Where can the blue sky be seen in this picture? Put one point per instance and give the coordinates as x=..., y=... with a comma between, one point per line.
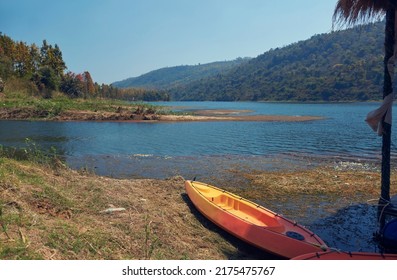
x=117, y=39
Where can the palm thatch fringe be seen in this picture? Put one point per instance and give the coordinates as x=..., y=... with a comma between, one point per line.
x=351, y=12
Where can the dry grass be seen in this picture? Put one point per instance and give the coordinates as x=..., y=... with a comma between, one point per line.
x=56, y=213
x=350, y=184
x=323, y=180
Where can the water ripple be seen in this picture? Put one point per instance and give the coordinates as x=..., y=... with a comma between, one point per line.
x=342, y=133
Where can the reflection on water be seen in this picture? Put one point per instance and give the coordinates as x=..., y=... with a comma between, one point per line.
x=350, y=229
x=206, y=149
x=221, y=152
x=342, y=133
x=216, y=169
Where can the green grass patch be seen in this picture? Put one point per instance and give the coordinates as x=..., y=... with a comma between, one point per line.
x=70, y=242
x=32, y=152
x=65, y=238
x=49, y=108
x=53, y=199
x=17, y=251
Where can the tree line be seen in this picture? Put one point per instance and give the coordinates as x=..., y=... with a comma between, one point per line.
x=41, y=70
x=345, y=65
x=172, y=77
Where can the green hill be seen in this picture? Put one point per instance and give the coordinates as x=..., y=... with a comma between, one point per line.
x=339, y=66
x=171, y=77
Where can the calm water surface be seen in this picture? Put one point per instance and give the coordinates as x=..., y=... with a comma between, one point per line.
x=220, y=152
x=188, y=148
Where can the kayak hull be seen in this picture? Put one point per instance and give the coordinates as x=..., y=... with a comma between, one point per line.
x=253, y=223
x=338, y=255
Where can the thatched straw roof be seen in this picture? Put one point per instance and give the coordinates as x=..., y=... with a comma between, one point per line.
x=356, y=11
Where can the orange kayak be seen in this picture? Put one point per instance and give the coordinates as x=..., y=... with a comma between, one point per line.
x=253, y=223
x=338, y=255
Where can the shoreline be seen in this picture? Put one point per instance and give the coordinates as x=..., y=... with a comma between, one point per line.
x=60, y=213
x=126, y=116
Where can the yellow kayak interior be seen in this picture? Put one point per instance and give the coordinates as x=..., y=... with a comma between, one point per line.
x=240, y=207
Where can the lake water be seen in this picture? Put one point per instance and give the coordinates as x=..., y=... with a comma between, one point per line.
x=220, y=152
x=205, y=149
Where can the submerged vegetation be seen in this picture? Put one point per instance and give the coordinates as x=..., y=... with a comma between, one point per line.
x=33, y=153
x=48, y=211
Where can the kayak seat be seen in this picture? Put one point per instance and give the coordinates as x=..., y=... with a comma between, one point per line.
x=248, y=211
x=225, y=202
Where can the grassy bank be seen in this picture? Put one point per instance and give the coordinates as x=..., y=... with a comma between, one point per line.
x=19, y=105
x=48, y=211
x=57, y=213
x=22, y=106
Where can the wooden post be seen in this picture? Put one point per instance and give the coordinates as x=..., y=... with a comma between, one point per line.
x=387, y=89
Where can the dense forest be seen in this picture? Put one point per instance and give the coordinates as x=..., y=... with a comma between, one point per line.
x=171, y=77
x=339, y=66
x=345, y=65
x=42, y=71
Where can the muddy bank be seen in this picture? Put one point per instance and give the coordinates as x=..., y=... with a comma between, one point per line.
x=73, y=115
x=126, y=115
x=258, y=118
x=351, y=228
x=58, y=213
x=336, y=201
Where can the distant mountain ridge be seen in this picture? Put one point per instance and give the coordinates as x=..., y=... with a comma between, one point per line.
x=345, y=65
x=339, y=66
x=171, y=77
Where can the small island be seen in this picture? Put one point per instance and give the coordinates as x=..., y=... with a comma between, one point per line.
x=62, y=108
